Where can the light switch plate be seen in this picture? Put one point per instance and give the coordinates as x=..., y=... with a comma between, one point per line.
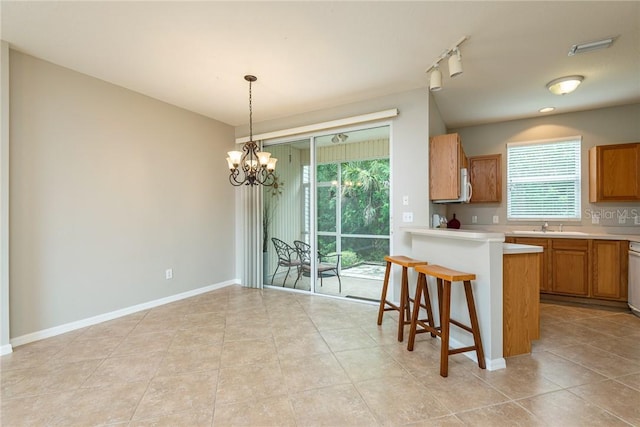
x=496, y=219
x=474, y=219
x=595, y=219
x=636, y=220
x=405, y=200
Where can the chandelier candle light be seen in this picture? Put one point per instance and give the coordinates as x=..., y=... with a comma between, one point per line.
x=257, y=166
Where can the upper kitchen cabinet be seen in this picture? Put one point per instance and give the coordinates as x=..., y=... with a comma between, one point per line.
x=446, y=158
x=486, y=178
x=614, y=173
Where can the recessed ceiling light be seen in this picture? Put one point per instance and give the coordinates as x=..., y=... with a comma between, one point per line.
x=589, y=46
x=546, y=109
x=564, y=85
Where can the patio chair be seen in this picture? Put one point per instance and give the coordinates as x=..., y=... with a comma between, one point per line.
x=287, y=257
x=325, y=269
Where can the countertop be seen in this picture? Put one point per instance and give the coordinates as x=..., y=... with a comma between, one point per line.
x=451, y=233
x=498, y=235
x=571, y=235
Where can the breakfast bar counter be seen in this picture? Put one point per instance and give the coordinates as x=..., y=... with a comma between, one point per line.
x=480, y=253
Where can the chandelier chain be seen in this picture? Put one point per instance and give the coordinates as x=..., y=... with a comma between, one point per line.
x=250, y=114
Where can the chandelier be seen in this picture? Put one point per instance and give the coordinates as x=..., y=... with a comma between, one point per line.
x=250, y=166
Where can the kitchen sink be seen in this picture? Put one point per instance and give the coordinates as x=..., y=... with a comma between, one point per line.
x=550, y=233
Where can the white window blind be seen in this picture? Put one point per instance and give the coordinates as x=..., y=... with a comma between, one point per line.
x=543, y=179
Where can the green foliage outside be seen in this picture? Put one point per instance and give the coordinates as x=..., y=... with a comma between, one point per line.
x=364, y=195
x=349, y=259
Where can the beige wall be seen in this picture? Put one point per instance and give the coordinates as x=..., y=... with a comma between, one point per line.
x=108, y=188
x=597, y=127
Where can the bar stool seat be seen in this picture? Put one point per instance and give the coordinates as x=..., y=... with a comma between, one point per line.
x=445, y=276
x=403, y=308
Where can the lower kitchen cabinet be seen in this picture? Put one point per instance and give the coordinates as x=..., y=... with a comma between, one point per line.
x=545, y=283
x=583, y=268
x=610, y=269
x=570, y=267
x=520, y=302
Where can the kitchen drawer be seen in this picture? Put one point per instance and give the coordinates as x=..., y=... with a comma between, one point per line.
x=570, y=244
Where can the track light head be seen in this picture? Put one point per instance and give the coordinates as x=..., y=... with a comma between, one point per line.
x=455, y=63
x=435, y=82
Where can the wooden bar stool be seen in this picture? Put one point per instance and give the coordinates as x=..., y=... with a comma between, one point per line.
x=445, y=277
x=404, y=307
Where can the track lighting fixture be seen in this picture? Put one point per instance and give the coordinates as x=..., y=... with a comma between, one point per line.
x=455, y=65
x=435, y=81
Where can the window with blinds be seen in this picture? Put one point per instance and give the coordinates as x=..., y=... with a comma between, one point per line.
x=543, y=179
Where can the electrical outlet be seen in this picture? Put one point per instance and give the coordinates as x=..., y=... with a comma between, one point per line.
x=407, y=216
x=636, y=220
x=595, y=219
x=474, y=219
x=496, y=219
x=622, y=219
x=168, y=274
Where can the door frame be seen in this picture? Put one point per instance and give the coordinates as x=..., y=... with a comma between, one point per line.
x=312, y=136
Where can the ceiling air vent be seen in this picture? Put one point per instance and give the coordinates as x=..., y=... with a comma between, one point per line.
x=588, y=47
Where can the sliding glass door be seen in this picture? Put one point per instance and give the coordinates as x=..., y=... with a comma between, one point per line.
x=332, y=201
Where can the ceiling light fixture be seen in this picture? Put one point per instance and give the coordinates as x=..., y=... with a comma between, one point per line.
x=564, y=85
x=455, y=65
x=257, y=166
x=589, y=46
x=339, y=138
x=546, y=109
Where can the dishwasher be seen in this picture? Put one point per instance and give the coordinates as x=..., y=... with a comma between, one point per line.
x=634, y=277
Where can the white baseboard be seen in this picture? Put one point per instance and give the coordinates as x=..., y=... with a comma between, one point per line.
x=492, y=364
x=72, y=326
x=6, y=349
x=495, y=364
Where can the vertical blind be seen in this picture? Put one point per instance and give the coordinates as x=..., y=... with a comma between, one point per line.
x=544, y=179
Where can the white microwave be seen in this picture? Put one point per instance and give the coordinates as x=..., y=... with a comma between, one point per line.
x=465, y=189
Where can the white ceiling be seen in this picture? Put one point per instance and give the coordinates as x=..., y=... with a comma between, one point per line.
x=315, y=55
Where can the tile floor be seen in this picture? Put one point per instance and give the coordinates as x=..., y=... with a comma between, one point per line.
x=245, y=357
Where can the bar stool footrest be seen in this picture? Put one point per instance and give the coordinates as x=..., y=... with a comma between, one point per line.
x=462, y=349
x=461, y=325
x=392, y=307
